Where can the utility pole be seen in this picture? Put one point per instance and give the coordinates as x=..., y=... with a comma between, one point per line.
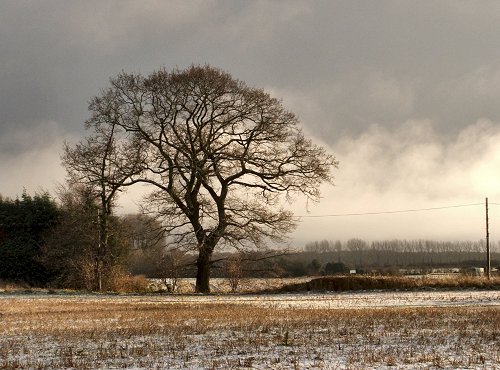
x=488, y=256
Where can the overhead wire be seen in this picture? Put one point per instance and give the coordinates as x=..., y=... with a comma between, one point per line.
x=392, y=212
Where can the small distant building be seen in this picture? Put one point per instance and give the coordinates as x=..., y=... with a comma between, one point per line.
x=352, y=272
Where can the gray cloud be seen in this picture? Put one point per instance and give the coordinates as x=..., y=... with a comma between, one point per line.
x=29, y=138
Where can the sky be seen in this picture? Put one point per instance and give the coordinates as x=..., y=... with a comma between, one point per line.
x=404, y=93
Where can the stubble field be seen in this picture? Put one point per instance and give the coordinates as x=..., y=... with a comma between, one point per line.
x=398, y=330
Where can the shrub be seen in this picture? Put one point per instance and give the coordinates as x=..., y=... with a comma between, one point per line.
x=123, y=282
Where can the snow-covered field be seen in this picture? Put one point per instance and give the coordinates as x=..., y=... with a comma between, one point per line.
x=365, y=330
x=345, y=300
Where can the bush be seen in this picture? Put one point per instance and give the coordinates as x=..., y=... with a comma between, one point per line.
x=123, y=282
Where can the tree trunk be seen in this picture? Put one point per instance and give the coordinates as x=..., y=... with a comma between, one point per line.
x=102, y=247
x=98, y=275
x=203, y=272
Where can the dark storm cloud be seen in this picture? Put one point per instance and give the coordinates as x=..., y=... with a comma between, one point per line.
x=359, y=62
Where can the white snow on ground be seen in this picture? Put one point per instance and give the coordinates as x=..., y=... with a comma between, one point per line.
x=450, y=342
x=373, y=300
x=344, y=300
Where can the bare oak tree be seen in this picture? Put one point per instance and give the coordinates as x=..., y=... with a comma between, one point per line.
x=222, y=156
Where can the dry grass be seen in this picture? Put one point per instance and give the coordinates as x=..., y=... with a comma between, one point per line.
x=88, y=333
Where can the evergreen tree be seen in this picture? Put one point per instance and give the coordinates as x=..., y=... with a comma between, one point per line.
x=23, y=224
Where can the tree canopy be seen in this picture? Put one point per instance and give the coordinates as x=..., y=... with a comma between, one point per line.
x=223, y=157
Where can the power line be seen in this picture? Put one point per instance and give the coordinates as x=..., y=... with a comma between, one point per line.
x=392, y=212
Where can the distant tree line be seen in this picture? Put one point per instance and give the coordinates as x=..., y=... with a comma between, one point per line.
x=388, y=254
x=355, y=244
